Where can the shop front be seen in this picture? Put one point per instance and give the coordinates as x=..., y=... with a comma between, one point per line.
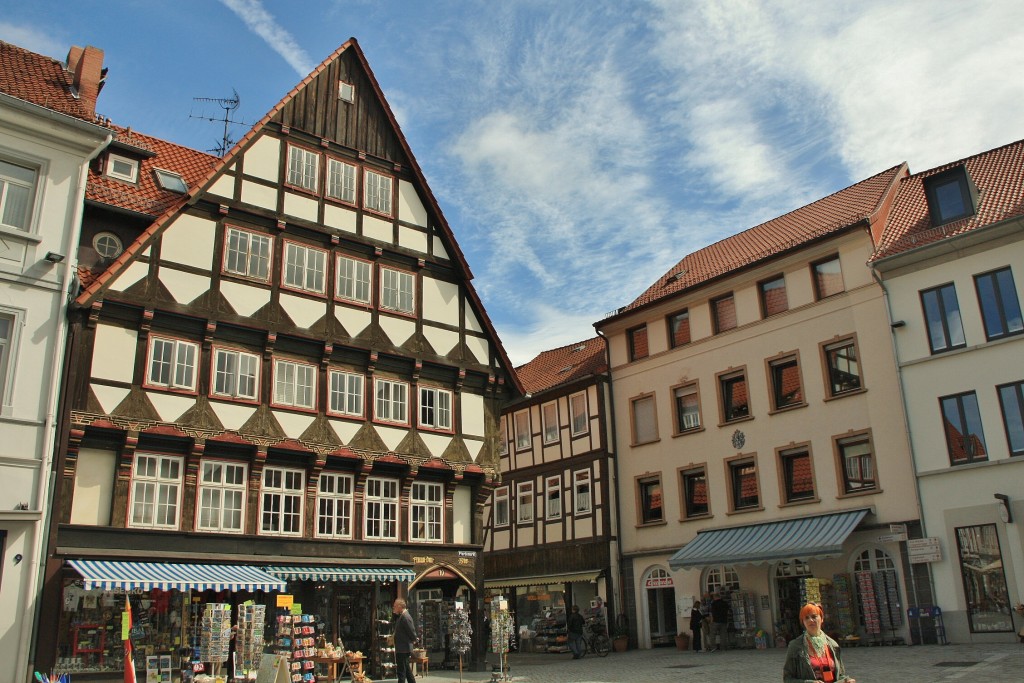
x=441, y=587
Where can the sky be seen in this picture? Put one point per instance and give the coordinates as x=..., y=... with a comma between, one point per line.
x=580, y=148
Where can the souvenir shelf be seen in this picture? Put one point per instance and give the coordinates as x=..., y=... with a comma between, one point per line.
x=215, y=633
x=384, y=666
x=249, y=638
x=845, y=619
x=431, y=635
x=89, y=643
x=868, y=603
x=296, y=639
x=744, y=617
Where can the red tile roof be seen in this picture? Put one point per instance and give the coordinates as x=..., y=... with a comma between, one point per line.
x=999, y=177
x=563, y=365
x=40, y=80
x=823, y=217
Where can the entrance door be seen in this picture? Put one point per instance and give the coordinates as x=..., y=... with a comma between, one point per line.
x=661, y=607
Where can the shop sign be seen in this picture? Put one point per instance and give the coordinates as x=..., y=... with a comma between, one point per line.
x=659, y=582
x=891, y=538
x=285, y=600
x=467, y=553
x=423, y=559
x=921, y=550
x=538, y=596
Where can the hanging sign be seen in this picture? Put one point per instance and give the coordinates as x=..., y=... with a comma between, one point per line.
x=285, y=600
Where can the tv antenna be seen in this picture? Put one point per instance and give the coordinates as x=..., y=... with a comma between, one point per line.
x=228, y=104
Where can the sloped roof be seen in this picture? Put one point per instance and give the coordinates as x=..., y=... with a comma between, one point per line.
x=38, y=79
x=563, y=365
x=826, y=216
x=999, y=177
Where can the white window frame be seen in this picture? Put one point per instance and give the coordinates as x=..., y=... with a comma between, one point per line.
x=346, y=92
x=8, y=347
x=303, y=168
x=234, y=376
x=335, y=504
x=165, y=488
x=435, y=408
x=377, y=190
x=553, y=497
x=287, y=486
x=7, y=181
x=397, y=290
x=220, y=481
x=526, y=502
x=294, y=384
x=304, y=268
x=582, y=503
x=252, y=254
x=501, y=506
x=132, y=176
x=180, y=368
x=353, y=280
x=341, y=181
x=579, y=416
x=426, y=512
x=549, y=422
x=521, y=426
x=345, y=393
x=107, y=245
x=391, y=401
x=380, y=509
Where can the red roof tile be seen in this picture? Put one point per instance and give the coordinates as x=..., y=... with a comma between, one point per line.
x=40, y=80
x=999, y=177
x=563, y=365
x=823, y=217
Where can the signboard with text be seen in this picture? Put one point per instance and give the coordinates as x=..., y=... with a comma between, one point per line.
x=921, y=550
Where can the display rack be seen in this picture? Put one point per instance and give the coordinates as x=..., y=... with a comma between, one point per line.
x=296, y=639
x=868, y=603
x=215, y=633
x=744, y=617
x=384, y=664
x=845, y=615
x=249, y=638
x=89, y=644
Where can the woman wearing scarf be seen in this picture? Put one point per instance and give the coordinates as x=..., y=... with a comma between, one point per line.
x=814, y=656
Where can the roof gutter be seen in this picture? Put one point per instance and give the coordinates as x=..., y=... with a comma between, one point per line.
x=42, y=112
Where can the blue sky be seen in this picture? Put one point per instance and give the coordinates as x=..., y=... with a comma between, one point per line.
x=579, y=148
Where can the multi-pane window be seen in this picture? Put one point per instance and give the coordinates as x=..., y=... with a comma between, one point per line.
x=435, y=408
x=982, y=567
x=7, y=323
x=687, y=407
x=377, y=193
x=334, y=502
x=723, y=313
x=773, y=296
x=644, y=421
x=743, y=482
x=501, y=506
x=345, y=392
x=637, y=339
x=694, y=484
x=578, y=413
x=582, y=499
x=797, y=476
x=549, y=422
x=521, y=422
x=425, y=507
x=951, y=195
x=172, y=363
x=721, y=579
x=381, y=509
x=294, y=384
x=341, y=181
x=122, y=168
x=17, y=190
x=857, y=463
x=247, y=254
x=222, y=487
x=235, y=373
x=1011, y=399
x=842, y=367
x=787, y=387
x=961, y=420
x=396, y=290
x=828, y=277
x=1000, y=307
x=735, y=398
x=156, y=491
x=502, y=436
x=353, y=280
x=553, y=497
x=303, y=167
x=679, y=329
x=649, y=500
x=281, y=502
x=392, y=401
x=304, y=267
x=524, y=502
x=942, y=315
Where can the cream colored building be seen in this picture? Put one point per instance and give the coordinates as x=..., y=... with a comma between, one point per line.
x=761, y=440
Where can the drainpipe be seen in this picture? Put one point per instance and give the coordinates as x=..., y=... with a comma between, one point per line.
x=614, y=488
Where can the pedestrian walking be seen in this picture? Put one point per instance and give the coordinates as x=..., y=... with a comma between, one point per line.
x=696, y=621
x=405, y=641
x=574, y=624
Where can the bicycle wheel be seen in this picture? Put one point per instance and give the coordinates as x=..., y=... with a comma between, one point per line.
x=602, y=645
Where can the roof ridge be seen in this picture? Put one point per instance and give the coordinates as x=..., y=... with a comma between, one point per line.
x=963, y=160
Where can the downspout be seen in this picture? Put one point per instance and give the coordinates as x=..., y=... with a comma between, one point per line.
x=46, y=482
x=614, y=488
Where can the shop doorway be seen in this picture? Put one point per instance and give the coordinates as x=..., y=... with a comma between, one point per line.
x=661, y=607
x=789, y=578
x=432, y=598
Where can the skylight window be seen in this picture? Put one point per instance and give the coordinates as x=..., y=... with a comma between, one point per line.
x=123, y=168
x=951, y=195
x=170, y=181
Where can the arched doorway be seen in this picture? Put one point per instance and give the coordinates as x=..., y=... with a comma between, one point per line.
x=788, y=578
x=878, y=594
x=432, y=596
x=661, y=607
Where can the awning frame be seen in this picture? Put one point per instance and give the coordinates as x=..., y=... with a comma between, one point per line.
x=114, y=575
x=543, y=580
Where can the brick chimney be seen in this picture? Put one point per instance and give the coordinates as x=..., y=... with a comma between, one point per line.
x=86, y=67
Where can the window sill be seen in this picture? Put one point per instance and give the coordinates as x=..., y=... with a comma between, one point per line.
x=695, y=430
x=743, y=511
x=789, y=408
x=852, y=392
x=20, y=235
x=647, y=525
x=696, y=518
x=643, y=443
x=797, y=503
x=858, y=494
x=737, y=420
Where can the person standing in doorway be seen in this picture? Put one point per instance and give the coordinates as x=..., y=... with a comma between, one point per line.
x=405, y=640
x=719, y=623
x=696, y=620
x=574, y=624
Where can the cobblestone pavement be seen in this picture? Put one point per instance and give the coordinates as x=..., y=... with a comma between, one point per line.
x=920, y=664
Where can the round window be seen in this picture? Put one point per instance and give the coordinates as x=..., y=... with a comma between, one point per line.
x=107, y=245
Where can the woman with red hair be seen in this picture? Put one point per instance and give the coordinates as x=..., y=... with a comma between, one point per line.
x=814, y=656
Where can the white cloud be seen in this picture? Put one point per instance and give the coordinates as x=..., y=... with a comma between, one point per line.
x=33, y=39
x=262, y=23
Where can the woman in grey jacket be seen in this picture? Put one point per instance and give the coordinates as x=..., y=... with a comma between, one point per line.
x=814, y=656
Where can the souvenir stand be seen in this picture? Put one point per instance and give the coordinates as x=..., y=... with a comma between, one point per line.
x=744, y=617
x=296, y=639
x=460, y=633
x=503, y=631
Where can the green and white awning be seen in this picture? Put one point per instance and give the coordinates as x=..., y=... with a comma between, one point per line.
x=384, y=574
x=109, y=575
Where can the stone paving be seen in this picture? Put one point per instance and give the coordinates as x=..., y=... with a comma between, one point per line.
x=921, y=664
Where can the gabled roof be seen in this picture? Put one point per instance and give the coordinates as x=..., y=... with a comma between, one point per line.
x=829, y=215
x=563, y=365
x=999, y=177
x=41, y=80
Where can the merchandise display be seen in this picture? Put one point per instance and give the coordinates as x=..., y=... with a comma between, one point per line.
x=844, y=613
x=297, y=639
x=249, y=637
x=215, y=633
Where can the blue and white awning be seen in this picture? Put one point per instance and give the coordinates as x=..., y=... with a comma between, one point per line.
x=385, y=574
x=108, y=575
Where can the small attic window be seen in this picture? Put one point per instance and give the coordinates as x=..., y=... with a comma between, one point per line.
x=675, y=277
x=346, y=92
x=170, y=181
x=566, y=369
x=123, y=168
x=581, y=347
x=107, y=244
x=951, y=195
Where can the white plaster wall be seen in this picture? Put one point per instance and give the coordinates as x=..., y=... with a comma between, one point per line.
x=303, y=312
x=113, y=355
x=462, y=515
x=263, y=158
x=259, y=195
x=94, y=487
x=439, y=250
x=472, y=410
x=340, y=218
x=397, y=329
x=480, y=348
x=223, y=187
x=244, y=299
x=377, y=229
x=354, y=320
x=410, y=208
x=442, y=341
x=184, y=287
x=293, y=424
x=437, y=443
x=300, y=206
x=413, y=239
x=135, y=272
x=188, y=240
x=440, y=301
x=472, y=322
x=170, y=406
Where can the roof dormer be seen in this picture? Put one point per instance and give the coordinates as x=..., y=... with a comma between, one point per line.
x=951, y=195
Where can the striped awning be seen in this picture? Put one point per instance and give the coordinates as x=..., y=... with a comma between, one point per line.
x=792, y=539
x=109, y=575
x=544, y=580
x=385, y=574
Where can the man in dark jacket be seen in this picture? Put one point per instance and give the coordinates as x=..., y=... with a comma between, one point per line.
x=719, y=622
x=405, y=641
x=574, y=625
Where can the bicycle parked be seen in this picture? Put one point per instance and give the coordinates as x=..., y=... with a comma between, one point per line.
x=595, y=638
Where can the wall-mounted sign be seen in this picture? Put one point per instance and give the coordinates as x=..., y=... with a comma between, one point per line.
x=921, y=550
